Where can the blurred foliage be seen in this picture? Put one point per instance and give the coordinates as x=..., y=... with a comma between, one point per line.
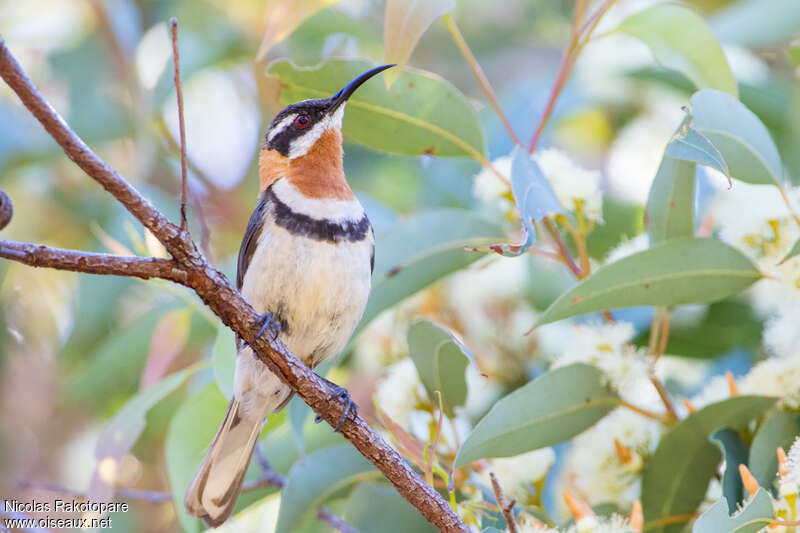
x=76, y=351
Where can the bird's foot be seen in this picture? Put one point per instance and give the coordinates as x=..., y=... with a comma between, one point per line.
x=339, y=393
x=267, y=321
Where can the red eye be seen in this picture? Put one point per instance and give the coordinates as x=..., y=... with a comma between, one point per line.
x=302, y=121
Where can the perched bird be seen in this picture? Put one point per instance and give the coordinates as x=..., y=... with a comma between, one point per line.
x=305, y=262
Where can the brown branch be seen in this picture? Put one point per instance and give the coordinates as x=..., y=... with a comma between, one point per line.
x=507, y=508
x=483, y=81
x=219, y=295
x=173, y=23
x=337, y=523
x=39, y=255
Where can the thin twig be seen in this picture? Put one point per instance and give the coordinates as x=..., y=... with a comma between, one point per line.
x=173, y=23
x=563, y=251
x=227, y=303
x=507, y=508
x=483, y=81
x=267, y=472
x=577, y=41
x=337, y=523
x=665, y=399
x=788, y=203
x=663, y=337
x=646, y=412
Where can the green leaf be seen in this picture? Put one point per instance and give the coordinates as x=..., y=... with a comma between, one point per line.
x=421, y=114
x=404, y=23
x=676, y=477
x=679, y=271
x=115, y=365
x=124, y=429
x=726, y=325
x=534, y=197
x=440, y=363
x=224, y=357
x=670, y=204
x=550, y=409
x=779, y=429
x=681, y=40
x=192, y=428
x=757, y=23
x=739, y=135
x=373, y=508
x=795, y=251
x=689, y=144
x=410, y=255
x=283, y=17
x=735, y=453
x=316, y=477
x=756, y=515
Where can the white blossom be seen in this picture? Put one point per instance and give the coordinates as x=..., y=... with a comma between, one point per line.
x=592, y=467
x=401, y=392
x=492, y=191
x=518, y=474
x=628, y=247
x=775, y=377
x=575, y=187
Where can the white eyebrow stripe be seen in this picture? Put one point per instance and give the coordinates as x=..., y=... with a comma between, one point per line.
x=280, y=126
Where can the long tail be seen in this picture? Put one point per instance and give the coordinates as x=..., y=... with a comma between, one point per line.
x=213, y=492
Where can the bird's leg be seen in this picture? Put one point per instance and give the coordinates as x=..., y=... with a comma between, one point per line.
x=341, y=394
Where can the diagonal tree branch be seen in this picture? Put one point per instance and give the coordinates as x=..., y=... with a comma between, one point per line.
x=219, y=295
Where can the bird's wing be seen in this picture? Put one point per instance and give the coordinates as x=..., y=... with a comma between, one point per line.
x=250, y=239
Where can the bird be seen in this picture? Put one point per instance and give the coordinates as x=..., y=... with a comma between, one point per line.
x=305, y=264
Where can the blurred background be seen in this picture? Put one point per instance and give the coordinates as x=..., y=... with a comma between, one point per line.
x=75, y=348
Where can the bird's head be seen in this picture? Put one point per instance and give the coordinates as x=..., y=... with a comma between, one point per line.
x=308, y=133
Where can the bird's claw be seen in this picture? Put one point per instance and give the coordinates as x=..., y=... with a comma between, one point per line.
x=340, y=394
x=267, y=321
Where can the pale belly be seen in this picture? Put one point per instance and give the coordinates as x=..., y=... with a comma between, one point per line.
x=316, y=290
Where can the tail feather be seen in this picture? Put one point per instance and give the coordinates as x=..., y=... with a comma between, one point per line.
x=213, y=492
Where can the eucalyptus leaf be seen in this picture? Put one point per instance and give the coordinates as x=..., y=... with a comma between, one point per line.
x=316, y=477
x=191, y=430
x=678, y=271
x=739, y=135
x=753, y=517
x=421, y=113
x=550, y=409
x=124, y=429
x=283, y=17
x=756, y=23
x=675, y=479
x=670, y=204
x=794, y=252
x=689, y=144
x=404, y=23
x=440, y=363
x=781, y=428
x=374, y=508
x=735, y=453
x=681, y=40
x=417, y=251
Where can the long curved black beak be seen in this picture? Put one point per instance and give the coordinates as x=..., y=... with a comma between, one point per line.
x=347, y=91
